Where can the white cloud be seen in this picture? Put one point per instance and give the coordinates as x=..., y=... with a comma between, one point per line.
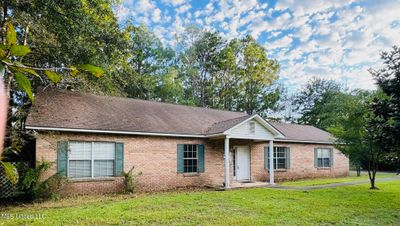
x=145, y=5
x=337, y=39
x=280, y=43
x=156, y=15
x=174, y=2
x=183, y=8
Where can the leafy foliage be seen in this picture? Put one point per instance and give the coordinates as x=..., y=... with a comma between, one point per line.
x=368, y=131
x=32, y=184
x=310, y=102
x=13, y=69
x=10, y=171
x=130, y=180
x=236, y=76
x=18, y=76
x=388, y=107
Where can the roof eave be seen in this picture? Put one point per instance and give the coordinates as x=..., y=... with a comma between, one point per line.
x=304, y=141
x=115, y=132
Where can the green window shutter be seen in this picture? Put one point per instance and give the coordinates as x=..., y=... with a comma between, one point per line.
x=315, y=157
x=62, y=158
x=119, y=158
x=179, y=158
x=287, y=158
x=200, y=152
x=331, y=156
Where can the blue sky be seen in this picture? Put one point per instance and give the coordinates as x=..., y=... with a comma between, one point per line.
x=337, y=40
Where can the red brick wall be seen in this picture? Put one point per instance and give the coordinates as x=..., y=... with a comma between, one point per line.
x=301, y=163
x=155, y=158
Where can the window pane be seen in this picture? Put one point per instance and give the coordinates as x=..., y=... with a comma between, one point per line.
x=104, y=150
x=326, y=162
x=319, y=161
x=79, y=168
x=104, y=168
x=319, y=153
x=281, y=164
x=80, y=150
x=326, y=153
x=190, y=158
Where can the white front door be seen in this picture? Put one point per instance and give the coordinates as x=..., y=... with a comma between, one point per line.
x=242, y=163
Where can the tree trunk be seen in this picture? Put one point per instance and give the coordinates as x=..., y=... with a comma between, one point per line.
x=358, y=171
x=202, y=90
x=3, y=21
x=372, y=171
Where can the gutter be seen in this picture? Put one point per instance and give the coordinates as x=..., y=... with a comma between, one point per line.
x=304, y=141
x=113, y=132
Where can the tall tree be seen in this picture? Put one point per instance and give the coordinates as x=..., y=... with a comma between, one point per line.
x=310, y=101
x=63, y=33
x=237, y=75
x=388, y=109
x=170, y=87
x=226, y=86
x=360, y=133
x=186, y=64
x=16, y=74
x=349, y=129
x=149, y=60
x=207, y=52
x=258, y=73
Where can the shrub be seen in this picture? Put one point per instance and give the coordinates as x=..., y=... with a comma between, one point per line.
x=130, y=180
x=36, y=188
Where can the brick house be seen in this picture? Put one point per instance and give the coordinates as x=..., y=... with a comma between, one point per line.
x=92, y=139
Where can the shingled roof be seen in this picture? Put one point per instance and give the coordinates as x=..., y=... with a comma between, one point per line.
x=69, y=109
x=79, y=111
x=297, y=132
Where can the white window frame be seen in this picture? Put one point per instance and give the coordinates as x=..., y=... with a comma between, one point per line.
x=276, y=158
x=191, y=158
x=323, y=163
x=91, y=160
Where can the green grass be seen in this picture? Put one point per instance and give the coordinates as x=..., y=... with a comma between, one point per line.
x=354, y=205
x=322, y=181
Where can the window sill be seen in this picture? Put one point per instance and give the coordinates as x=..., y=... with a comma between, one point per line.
x=280, y=170
x=191, y=174
x=324, y=168
x=97, y=179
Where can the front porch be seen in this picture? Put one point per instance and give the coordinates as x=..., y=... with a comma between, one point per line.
x=250, y=184
x=244, y=163
x=238, y=139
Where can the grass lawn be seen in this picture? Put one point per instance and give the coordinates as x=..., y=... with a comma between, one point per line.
x=321, y=181
x=354, y=205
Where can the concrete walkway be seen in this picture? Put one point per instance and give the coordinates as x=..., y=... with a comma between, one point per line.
x=334, y=185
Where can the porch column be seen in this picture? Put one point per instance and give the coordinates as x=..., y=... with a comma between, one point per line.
x=271, y=162
x=226, y=156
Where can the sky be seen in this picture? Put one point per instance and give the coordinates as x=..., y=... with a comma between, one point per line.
x=334, y=39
